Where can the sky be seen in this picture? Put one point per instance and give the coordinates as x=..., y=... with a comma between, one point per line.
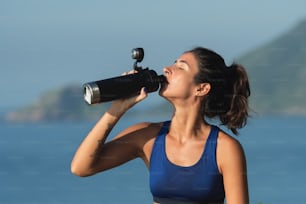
x=48, y=44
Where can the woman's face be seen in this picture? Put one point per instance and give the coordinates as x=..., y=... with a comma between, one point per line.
x=180, y=78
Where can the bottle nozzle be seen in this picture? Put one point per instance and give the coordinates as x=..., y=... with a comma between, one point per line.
x=162, y=79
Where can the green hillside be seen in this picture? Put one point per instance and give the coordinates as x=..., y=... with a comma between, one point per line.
x=277, y=73
x=64, y=104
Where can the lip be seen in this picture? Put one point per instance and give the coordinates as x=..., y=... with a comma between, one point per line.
x=163, y=79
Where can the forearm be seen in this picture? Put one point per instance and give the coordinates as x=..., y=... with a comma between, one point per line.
x=87, y=159
x=89, y=152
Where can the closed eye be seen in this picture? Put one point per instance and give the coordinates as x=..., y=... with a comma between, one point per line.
x=181, y=64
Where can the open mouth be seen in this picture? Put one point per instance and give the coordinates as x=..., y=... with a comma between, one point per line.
x=163, y=82
x=163, y=79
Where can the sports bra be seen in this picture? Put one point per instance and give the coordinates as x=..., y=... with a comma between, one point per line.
x=200, y=183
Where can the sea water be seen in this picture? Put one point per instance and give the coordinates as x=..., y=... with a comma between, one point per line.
x=35, y=164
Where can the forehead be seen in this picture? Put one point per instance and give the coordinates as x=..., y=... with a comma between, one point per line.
x=189, y=59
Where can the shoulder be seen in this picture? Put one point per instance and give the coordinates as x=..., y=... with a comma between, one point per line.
x=230, y=151
x=141, y=131
x=227, y=142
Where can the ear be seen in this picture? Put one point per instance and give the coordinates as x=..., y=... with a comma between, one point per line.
x=202, y=89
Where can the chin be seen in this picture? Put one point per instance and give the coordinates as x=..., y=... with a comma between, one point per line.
x=161, y=92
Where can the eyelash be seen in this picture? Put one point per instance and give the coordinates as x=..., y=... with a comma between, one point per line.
x=175, y=63
x=178, y=66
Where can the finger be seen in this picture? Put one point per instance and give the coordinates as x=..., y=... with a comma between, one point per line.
x=129, y=72
x=132, y=71
x=143, y=94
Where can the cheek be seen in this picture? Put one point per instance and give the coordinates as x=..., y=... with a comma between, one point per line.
x=177, y=88
x=183, y=82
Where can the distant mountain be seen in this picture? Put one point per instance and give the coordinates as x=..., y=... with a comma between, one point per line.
x=65, y=103
x=277, y=71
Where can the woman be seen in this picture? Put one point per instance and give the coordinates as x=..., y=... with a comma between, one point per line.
x=190, y=160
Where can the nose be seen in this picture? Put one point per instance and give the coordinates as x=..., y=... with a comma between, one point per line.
x=166, y=70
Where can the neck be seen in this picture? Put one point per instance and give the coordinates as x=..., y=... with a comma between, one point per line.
x=188, y=123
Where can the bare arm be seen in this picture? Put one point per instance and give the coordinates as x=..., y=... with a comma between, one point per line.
x=94, y=155
x=234, y=170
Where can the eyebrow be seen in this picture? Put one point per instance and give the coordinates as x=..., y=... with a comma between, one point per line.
x=182, y=61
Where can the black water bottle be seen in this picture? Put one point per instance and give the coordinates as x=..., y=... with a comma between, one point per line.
x=121, y=86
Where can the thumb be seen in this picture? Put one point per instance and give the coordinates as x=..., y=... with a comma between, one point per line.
x=143, y=94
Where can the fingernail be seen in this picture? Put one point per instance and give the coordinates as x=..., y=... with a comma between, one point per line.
x=145, y=89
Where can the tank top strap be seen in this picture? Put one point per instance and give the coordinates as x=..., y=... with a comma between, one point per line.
x=211, y=146
x=213, y=135
x=164, y=129
x=159, y=143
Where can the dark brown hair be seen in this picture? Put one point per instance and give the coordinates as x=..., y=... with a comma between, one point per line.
x=228, y=96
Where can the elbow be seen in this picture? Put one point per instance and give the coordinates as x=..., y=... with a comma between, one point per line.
x=79, y=171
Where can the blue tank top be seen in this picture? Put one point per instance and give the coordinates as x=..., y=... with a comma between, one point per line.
x=200, y=183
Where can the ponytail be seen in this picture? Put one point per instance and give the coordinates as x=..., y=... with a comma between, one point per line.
x=228, y=96
x=238, y=93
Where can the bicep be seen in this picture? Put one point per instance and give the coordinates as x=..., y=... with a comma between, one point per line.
x=126, y=146
x=117, y=152
x=234, y=170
